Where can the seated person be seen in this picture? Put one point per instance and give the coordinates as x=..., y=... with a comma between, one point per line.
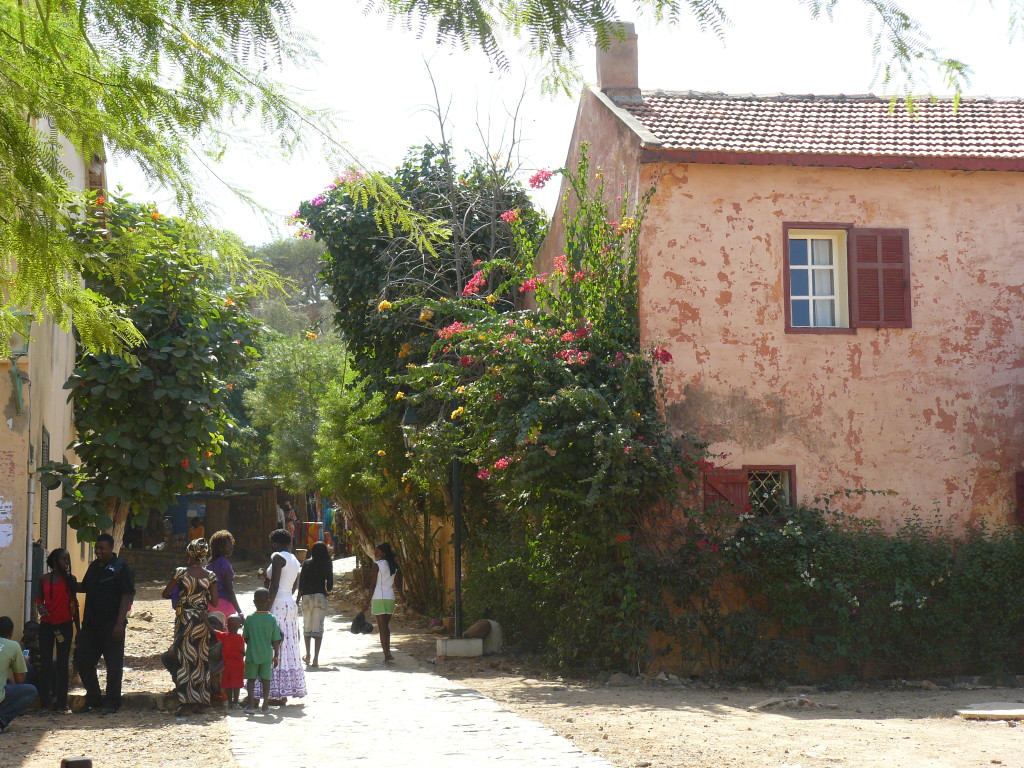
x=16, y=695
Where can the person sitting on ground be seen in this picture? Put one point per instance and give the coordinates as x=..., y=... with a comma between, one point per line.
x=233, y=653
x=17, y=695
x=316, y=580
x=262, y=638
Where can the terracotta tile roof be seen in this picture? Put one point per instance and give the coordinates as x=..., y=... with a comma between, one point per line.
x=861, y=127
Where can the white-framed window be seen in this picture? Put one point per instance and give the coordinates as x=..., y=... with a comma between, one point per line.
x=817, y=278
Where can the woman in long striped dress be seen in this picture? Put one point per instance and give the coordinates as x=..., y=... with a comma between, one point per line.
x=197, y=590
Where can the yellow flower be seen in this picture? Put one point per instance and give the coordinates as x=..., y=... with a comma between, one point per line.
x=460, y=390
x=310, y=335
x=528, y=323
x=412, y=365
x=426, y=314
x=382, y=453
x=458, y=412
x=384, y=306
x=482, y=337
x=636, y=414
x=405, y=350
x=399, y=395
x=492, y=299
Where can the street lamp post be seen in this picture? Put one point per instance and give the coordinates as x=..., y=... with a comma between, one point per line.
x=410, y=424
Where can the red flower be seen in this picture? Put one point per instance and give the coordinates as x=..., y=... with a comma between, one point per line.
x=661, y=354
x=498, y=396
x=185, y=463
x=475, y=283
x=540, y=178
x=509, y=216
x=483, y=474
x=568, y=336
x=502, y=463
x=561, y=264
x=465, y=361
x=705, y=466
x=622, y=537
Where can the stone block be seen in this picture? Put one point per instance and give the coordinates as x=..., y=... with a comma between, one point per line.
x=459, y=647
x=495, y=638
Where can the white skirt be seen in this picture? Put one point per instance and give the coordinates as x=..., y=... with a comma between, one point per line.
x=289, y=679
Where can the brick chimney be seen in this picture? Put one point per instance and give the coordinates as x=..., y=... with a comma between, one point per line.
x=617, y=64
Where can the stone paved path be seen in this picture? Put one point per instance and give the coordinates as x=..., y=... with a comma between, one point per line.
x=360, y=713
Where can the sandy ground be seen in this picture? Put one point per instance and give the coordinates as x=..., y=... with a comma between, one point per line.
x=636, y=725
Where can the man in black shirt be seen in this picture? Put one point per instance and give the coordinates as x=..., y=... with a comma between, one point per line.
x=109, y=587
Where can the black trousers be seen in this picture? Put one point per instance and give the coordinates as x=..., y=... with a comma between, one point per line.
x=93, y=642
x=53, y=676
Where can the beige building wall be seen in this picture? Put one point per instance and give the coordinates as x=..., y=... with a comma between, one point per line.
x=932, y=412
x=42, y=429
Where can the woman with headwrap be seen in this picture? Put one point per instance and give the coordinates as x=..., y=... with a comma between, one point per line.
x=197, y=590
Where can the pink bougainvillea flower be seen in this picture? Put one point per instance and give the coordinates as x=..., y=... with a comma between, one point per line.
x=483, y=474
x=568, y=336
x=318, y=201
x=502, y=463
x=661, y=354
x=475, y=283
x=579, y=277
x=509, y=216
x=453, y=329
x=561, y=264
x=582, y=332
x=540, y=178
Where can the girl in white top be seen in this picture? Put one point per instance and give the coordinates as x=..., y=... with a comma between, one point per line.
x=387, y=580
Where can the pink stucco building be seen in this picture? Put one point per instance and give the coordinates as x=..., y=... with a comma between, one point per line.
x=841, y=285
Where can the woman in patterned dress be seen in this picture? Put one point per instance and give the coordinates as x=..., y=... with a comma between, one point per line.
x=289, y=679
x=197, y=590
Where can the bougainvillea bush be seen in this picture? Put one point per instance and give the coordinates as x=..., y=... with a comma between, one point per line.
x=556, y=411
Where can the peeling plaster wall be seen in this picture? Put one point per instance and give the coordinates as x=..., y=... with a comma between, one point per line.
x=932, y=412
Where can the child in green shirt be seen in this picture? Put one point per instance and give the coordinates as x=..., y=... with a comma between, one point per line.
x=262, y=640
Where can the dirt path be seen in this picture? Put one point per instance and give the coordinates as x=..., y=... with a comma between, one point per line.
x=637, y=725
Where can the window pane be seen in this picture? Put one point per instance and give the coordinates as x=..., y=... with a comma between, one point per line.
x=821, y=251
x=798, y=282
x=769, y=491
x=801, y=313
x=824, y=313
x=797, y=252
x=823, y=282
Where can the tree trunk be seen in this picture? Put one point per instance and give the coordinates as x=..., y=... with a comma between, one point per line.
x=118, y=511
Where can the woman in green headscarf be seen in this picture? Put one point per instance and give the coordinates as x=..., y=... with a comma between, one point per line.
x=197, y=590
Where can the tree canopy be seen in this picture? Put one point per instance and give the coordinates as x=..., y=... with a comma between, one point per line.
x=153, y=422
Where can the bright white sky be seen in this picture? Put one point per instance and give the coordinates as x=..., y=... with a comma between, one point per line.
x=375, y=80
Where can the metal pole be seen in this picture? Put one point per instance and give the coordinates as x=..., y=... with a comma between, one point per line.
x=457, y=522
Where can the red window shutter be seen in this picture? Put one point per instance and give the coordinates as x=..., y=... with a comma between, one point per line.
x=727, y=487
x=880, y=278
x=1018, y=480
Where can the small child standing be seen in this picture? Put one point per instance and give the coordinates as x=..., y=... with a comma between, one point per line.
x=233, y=654
x=262, y=638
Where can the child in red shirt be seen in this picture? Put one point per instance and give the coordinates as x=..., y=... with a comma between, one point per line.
x=233, y=646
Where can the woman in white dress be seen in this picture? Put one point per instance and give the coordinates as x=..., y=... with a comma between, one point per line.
x=288, y=679
x=387, y=580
